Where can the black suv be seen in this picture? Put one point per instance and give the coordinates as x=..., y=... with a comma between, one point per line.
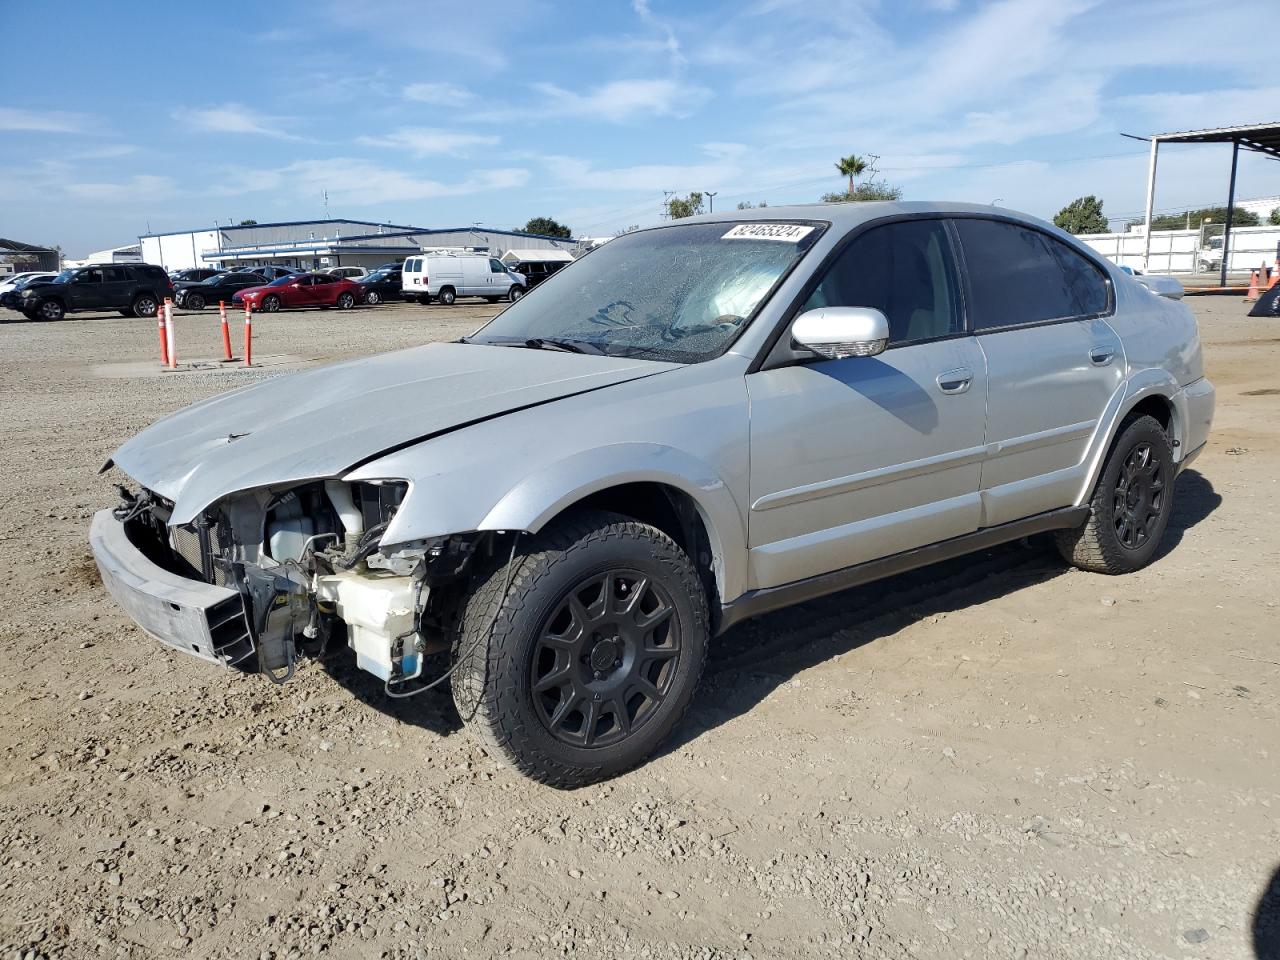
x=134, y=289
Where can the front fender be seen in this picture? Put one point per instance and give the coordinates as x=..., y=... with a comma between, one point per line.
x=539, y=497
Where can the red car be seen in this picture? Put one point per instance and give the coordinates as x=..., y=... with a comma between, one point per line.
x=302, y=290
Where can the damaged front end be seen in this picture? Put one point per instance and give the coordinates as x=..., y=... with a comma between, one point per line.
x=265, y=577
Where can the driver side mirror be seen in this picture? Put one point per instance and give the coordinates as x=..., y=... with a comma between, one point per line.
x=834, y=333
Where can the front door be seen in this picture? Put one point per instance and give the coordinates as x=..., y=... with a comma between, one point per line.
x=856, y=459
x=1053, y=362
x=87, y=290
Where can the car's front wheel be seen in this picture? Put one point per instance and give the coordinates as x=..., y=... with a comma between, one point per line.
x=373, y=298
x=193, y=301
x=51, y=310
x=581, y=667
x=271, y=304
x=1131, y=502
x=515, y=293
x=346, y=300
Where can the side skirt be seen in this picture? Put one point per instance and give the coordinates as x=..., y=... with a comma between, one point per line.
x=755, y=602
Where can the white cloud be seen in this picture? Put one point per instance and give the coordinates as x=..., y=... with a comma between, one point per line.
x=349, y=180
x=670, y=42
x=236, y=118
x=623, y=100
x=653, y=177
x=428, y=141
x=139, y=189
x=439, y=93
x=44, y=121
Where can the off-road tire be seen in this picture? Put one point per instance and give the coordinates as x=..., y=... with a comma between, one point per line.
x=1097, y=546
x=493, y=683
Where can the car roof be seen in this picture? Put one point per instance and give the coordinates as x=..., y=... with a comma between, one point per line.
x=845, y=216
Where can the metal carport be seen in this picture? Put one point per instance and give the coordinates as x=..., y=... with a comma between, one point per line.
x=1260, y=138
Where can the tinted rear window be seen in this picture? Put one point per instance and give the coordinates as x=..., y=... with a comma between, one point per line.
x=1018, y=275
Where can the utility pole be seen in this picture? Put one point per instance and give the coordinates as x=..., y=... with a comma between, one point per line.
x=666, y=204
x=711, y=200
x=326, y=204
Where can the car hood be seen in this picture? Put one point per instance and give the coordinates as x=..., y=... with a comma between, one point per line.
x=322, y=422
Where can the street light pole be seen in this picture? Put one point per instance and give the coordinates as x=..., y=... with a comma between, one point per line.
x=711, y=200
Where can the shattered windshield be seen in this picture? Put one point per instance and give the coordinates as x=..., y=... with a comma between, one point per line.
x=679, y=293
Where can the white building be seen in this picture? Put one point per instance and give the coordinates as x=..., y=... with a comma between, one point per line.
x=317, y=244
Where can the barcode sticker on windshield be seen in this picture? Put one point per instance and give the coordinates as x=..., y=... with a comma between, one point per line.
x=785, y=232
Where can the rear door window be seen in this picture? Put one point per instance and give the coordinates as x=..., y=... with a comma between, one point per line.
x=1018, y=276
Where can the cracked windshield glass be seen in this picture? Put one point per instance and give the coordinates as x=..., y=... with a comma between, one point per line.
x=678, y=293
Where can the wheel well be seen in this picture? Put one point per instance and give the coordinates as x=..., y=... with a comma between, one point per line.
x=1157, y=407
x=676, y=514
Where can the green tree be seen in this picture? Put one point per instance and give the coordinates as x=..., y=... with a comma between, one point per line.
x=248, y=223
x=546, y=227
x=867, y=190
x=748, y=205
x=1082, y=215
x=1274, y=219
x=1194, y=218
x=680, y=207
x=852, y=166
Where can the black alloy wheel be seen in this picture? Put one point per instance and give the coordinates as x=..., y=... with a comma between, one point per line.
x=605, y=660
x=193, y=301
x=271, y=304
x=1139, y=497
x=51, y=310
x=346, y=300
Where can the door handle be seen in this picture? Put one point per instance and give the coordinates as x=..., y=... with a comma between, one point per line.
x=955, y=381
x=1100, y=356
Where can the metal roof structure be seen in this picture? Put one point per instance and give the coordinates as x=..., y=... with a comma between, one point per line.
x=1261, y=138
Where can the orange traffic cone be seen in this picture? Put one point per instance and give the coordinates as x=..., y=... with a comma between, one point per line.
x=1253, y=286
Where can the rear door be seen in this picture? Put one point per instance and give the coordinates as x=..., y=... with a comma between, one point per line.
x=1038, y=308
x=324, y=291
x=118, y=287
x=860, y=458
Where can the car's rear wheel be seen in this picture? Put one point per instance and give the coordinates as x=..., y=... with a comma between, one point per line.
x=515, y=293
x=373, y=298
x=447, y=296
x=1130, y=507
x=51, y=310
x=145, y=306
x=193, y=301
x=271, y=304
x=346, y=300
x=583, y=665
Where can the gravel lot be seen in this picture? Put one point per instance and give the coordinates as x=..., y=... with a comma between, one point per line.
x=994, y=758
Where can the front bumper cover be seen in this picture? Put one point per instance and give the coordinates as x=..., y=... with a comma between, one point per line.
x=200, y=619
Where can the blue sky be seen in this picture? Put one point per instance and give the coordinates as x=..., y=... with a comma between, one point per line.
x=176, y=115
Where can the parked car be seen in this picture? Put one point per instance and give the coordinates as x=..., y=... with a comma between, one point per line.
x=14, y=280
x=194, y=275
x=271, y=273
x=134, y=289
x=351, y=273
x=303, y=290
x=11, y=290
x=697, y=423
x=223, y=287
x=381, y=285
x=536, y=265
x=447, y=276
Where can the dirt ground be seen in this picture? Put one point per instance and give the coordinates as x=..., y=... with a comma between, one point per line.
x=994, y=758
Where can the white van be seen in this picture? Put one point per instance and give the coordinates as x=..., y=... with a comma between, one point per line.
x=447, y=276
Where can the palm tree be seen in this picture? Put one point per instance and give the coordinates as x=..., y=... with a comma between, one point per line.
x=852, y=166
